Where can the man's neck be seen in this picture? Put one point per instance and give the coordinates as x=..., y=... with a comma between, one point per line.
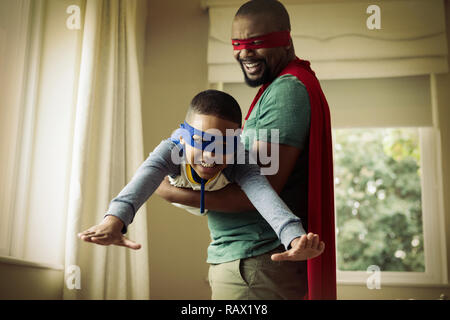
x=282, y=67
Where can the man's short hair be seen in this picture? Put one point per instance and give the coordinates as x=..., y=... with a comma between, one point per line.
x=216, y=103
x=271, y=8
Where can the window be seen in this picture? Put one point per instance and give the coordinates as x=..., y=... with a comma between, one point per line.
x=378, y=194
x=409, y=247
x=36, y=124
x=387, y=191
x=13, y=38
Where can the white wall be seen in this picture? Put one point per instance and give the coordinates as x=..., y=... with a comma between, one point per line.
x=29, y=281
x=175, y=71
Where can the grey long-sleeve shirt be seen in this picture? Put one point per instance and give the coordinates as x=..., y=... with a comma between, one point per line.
x=159, y=164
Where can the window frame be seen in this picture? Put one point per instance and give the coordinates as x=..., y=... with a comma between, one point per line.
x=433, y=226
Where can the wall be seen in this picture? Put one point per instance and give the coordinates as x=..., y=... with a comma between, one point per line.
x=175, y=70
x=19, y=280
x=443, y=100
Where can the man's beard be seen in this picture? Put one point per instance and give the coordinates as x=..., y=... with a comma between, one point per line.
x=266, y=76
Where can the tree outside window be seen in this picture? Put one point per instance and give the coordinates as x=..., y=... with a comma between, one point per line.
x=378, y=199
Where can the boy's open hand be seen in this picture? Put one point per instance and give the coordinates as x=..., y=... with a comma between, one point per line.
x=302, y=248
x=108, y=232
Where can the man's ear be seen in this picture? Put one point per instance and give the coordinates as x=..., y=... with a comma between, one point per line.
x=182, y=141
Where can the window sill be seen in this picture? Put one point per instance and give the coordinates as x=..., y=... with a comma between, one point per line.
x=32, y=264
x=392, y=279
x=395, y=284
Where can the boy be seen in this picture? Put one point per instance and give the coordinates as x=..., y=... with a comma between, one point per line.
x=204, y=165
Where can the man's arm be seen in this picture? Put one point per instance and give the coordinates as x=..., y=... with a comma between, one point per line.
x=232, y=198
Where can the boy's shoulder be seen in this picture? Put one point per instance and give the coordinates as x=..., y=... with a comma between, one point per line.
x=169, y=145
x=168, y=154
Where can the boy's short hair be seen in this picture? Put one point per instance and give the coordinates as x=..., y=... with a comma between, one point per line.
x=216, y=103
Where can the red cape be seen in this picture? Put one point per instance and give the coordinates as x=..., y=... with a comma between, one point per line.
x=321, y=270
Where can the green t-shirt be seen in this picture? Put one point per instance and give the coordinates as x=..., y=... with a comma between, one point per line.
x=284, y=105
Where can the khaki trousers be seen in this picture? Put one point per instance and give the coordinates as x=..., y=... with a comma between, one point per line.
x=258, y=278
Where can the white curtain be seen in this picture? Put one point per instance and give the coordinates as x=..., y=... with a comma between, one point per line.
x=107, y=149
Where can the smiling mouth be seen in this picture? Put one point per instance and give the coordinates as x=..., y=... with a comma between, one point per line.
x=252, y=67
x=207, y=165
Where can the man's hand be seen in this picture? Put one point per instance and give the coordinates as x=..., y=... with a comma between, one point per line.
x=303, y=248
x=108, y=232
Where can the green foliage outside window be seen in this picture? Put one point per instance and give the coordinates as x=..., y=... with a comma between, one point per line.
x=378, y=199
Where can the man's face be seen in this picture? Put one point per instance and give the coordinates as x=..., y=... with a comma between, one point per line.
x=258, y=65
x=203, y=162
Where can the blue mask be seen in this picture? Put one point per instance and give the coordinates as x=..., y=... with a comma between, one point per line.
x=209, y=142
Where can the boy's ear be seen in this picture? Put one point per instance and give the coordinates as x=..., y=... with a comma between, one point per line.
x=182, y=141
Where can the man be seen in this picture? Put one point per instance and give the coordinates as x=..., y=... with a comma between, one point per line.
x=246, y=259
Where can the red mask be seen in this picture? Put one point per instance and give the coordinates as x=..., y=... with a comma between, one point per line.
x=270, y=40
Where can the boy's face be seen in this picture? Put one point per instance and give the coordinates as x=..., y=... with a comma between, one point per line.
x=203, y=161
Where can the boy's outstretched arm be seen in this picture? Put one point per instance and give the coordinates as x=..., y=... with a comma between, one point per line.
x=108, y=232
x=123, y=208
